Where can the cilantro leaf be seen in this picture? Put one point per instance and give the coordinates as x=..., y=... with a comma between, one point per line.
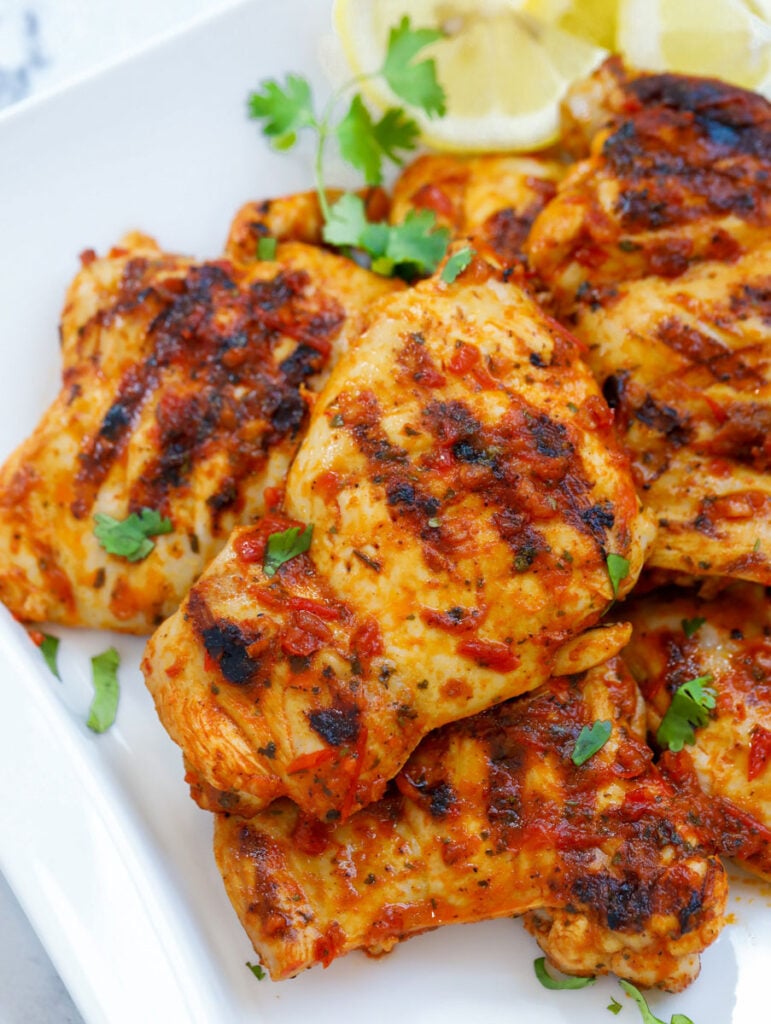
x=104, y=673
x=365, y=143
x=347, y=222
x=128, y=538
x=266, y=248
x=564, y=982
x=691, y=626
x=614, y=1006
x=414, y=82
x=49, y=648
x=257, y=970
x=690, y=707
x=285, y=545
x=457, y=263
x=618, y=570
x=285, y=109
x=396, y=131
x=416, y=245
x=591, y=739
x=645, y=1011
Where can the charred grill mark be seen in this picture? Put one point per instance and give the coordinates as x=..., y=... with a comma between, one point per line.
x=226, y=643
x=337, y=725
x=211, y=356
x=506, y=230
x=752, y=300
x=599, y=519
x=745, y=435
x=665, y=420
x=692, y=147
x=723, y=364
x=625, y=903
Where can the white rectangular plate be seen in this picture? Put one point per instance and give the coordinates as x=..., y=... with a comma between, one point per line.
x=108, y=855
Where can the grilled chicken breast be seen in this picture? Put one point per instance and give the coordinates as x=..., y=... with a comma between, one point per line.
x=492, y=200
x=657, y=255
x=491, y=817
x=185, y=390
x=678, y=175
x=465, y=490
x=678, y=637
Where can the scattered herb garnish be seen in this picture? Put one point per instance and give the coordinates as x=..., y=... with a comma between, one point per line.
x=565, y=982
x=49, y=648
x=257, y=970
x=285, y=545
x=690, y=707
x=614, y=1006
x=591, y=739
x=456, y=264
x=645, y=1011
x=618, y=570
x=266, y=248
x=104, y=673
x=691, y=626
x=417, y=245
x=129, y=538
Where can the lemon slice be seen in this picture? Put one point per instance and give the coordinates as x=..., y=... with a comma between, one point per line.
x=503, y=70
x=729, y=39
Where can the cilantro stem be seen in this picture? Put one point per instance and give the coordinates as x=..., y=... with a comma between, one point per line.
x=322, y=126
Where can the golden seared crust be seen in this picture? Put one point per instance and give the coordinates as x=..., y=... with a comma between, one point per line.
x=185, y=389
x=686, y=365
x=731, y=755
x=465, y=488
x=489, y=818
x=293, y=218
x=680, y=175
x=492, y=200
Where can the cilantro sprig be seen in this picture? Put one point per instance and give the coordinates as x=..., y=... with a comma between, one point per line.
x=690, y=708
x=129, y=538
x=646, y=1013
x=104, y=675
x=49, y=648
x=285, y=545
x=618, y=570
x=414, y=247
x=691, y=626
x=567, y=981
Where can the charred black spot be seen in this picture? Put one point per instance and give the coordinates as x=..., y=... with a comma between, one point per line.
x=442, y=799
x=537, y=360
x=301, y=364
x=465, y=451
x=625, y=902
x=288, y=413
x=400, y=493
x=336, y=725
x=598, y=520
x=116, y=419
x=614, y=389
x=225, y=497
x=225, y=642
x=269, y=750
x=551, y=437
x=692, y=908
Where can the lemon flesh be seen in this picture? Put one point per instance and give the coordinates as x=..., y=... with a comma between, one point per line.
x=503, y=70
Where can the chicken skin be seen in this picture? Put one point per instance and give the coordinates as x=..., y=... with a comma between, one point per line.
x=185, y=391
x=491, y=817
x=678, y=637
x=492, y=200
x=657, y=255
x=465, y=491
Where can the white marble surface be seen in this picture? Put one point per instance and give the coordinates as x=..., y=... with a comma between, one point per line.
x=43, y=44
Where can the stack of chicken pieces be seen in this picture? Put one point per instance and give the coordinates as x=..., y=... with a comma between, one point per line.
x=540, y=500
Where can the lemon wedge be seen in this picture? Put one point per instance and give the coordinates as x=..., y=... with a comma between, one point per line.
x=729, y=39
x=503, y=68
